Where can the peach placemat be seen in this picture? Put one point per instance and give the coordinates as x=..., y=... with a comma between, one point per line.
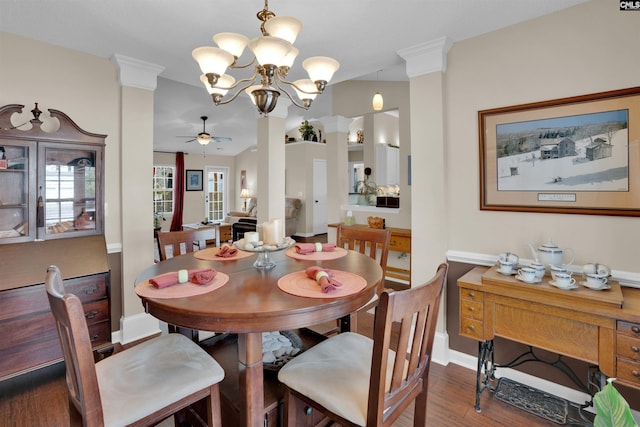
x=209, y=254
x=300, y=285
x=147, y=290
x=317, y=256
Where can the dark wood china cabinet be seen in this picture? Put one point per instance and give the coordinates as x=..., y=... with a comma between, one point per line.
x=51, y=212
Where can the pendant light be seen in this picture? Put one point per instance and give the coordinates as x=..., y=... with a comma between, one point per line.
x=377, y=102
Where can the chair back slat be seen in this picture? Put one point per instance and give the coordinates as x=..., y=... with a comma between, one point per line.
x=190, y=240
x=77, y=351
x=373, y=242
x=404, y=322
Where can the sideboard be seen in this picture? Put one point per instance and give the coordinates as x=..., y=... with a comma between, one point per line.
x=29, y=336
x=598, y=327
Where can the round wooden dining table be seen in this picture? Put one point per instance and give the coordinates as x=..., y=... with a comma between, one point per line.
x=251, y=302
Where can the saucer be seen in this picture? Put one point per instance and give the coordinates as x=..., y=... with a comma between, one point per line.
x=564, y=288
x=601, y=288
x=535, y=280
x=506, y=274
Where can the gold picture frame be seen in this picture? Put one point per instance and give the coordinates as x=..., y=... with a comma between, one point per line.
x=577, y=155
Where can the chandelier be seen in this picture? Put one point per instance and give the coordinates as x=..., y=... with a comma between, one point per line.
x=273, y=55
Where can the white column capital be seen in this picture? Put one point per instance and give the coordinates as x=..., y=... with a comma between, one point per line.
x=136, y=73
x=425, y=58
x=333, y=124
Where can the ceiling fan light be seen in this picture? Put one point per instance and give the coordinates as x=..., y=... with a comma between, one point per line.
x=320, y=68
x=203, y=138
x=377, y=102
x=270, y=50
x=233, y=43
x=308, y=87
x=284, y=27
x=212, y=59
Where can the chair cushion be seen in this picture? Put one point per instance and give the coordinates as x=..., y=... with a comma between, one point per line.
x=151, y=376
x=335, y=374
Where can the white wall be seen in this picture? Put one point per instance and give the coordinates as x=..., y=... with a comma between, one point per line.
x=589, y=48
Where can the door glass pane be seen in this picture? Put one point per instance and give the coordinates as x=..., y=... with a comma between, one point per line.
x=215, y=209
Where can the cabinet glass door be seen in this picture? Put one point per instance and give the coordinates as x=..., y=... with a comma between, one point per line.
x=17, y=169
x=71, y=191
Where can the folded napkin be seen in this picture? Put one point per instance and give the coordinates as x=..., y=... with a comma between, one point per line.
x=227, y=251
x=309, y=248
x=202, y=276
x=323, y=277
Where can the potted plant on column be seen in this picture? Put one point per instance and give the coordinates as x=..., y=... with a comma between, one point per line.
x=307, y=132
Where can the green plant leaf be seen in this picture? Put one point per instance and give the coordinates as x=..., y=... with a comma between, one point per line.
x=611, y=409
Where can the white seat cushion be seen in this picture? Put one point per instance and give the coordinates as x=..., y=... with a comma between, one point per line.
x=151, y=376
x=335, y=374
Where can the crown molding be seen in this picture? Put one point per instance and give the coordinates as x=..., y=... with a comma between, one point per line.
x=426, y=58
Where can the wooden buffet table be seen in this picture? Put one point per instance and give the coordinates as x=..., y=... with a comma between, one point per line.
x=598, y=327
x=400, y=242
x=251, y=303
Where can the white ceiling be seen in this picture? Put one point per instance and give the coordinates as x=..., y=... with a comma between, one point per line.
x=363, y=35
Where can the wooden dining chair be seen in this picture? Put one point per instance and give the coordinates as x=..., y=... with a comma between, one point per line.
x=358, y=381
x=182, y=242
x=141, y=385
x=373, y=242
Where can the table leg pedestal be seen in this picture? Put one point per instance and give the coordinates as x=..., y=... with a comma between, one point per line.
x=251, y=379
x=485, y=374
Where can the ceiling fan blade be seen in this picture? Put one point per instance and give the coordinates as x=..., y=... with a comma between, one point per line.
x=191, y=140
x=222, y=139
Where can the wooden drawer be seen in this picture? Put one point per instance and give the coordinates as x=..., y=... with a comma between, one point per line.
x=100, y=333
x=628, y=371
x=471, y=309
x=400, y=244
x=628, y=328
x=628, y=347
x=88, y=288
x=471, y=328
x=470, y=294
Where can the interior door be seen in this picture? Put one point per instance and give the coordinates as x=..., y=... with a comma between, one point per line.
x=320, y=196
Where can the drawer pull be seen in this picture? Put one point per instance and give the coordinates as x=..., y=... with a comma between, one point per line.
x=90, y=290
x=472, y=294
x=472, y=309
x=94, y=337
x=635, y=349
x=91, y=314
x=635, y=374
x=635, y=329
x=472, y=328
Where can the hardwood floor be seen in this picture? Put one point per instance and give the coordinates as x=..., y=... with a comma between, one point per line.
x=39, y=399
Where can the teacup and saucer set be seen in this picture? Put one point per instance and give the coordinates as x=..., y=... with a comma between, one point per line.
x=528, y=275
x=596, y=277
x=507, y=263
x=563, y=280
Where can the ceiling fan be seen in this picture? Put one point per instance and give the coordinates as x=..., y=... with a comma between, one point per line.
x=204, y=138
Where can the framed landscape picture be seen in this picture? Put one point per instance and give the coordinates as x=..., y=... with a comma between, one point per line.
x=577, y=155
x=194, y=180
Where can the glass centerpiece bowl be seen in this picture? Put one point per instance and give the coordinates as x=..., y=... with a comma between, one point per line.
x=264, y=262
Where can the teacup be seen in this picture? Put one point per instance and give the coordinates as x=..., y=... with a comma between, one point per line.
x=564, y=280
x=596, y=268
x=555, y=269
x=509, y=257
x=506, y=267
x=527, y=274
x=595, y=280
x=539, y=269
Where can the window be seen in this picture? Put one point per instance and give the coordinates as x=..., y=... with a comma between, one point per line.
x=216, y=194
x=163, y=189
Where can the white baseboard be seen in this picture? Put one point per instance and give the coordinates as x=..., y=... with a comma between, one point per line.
x=136, y=327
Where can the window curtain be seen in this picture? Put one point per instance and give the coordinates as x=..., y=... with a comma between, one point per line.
x=178, y=187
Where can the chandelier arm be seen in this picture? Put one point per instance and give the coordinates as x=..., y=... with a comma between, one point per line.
x=233, y=86
x=281, y=80
x=235, y=66
x=276, y=82
x=235, y=95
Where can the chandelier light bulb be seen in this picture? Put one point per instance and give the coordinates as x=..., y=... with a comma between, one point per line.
x=284, y=27
x=233, y=43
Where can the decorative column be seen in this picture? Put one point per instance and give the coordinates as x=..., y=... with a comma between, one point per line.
x=335, y=132
x=138, y=81
x=426, y=64
x=271, y=163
